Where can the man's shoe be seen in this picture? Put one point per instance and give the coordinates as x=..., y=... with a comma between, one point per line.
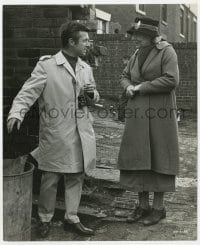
x=137, y=214
x=78, y=228
x=154, y=217
x=44, y=229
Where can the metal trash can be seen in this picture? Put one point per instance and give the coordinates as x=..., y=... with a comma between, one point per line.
x=17, y=199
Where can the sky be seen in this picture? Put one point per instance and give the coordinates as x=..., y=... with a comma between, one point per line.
x=193, y=8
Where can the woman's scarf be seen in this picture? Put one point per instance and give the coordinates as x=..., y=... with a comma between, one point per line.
x=142, y=54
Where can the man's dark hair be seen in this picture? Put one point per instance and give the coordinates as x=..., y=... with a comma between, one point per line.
x=71, y=30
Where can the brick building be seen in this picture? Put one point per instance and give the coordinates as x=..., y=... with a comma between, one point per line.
x=178, y=21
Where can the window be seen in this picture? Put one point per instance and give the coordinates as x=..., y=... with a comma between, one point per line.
x=182, y=21
x=164, y=12
x=191, y=29
x=103, y=21
x=99, y=28
x=140, y=8
x=103, y=27
x=194, y=31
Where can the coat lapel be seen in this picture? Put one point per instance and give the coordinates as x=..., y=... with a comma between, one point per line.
x=69, y=69
x=135, y=71
x=159, y=45
x=61, y=60
x=152, y=54
x=79, y=65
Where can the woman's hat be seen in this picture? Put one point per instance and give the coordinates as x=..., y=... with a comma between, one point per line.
x=146, y=26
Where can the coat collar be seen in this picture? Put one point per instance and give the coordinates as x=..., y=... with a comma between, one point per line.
x=161, y=43
x=149, y=58
x=61, y=60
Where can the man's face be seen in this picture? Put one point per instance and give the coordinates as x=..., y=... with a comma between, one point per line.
x=83, y=43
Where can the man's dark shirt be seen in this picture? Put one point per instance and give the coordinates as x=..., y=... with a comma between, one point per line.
x=72, y=60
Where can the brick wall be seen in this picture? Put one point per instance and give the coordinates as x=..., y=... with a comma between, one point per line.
x=29, y=32
x=187, y=90
x=107, y=75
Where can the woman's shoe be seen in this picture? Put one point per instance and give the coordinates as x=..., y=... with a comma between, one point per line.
x=137, y=214
x=154, y=217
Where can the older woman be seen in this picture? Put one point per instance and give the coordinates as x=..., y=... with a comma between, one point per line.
x=148, y=157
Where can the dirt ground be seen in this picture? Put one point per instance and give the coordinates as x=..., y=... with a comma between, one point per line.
x=181, y=220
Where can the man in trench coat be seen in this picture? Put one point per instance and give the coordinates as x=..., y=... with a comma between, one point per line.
x=66, y=136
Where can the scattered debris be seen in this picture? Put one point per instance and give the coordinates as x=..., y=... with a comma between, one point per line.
x=122, y=213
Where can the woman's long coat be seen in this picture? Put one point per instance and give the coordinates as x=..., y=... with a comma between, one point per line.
x=66, y=135
x=150, y=140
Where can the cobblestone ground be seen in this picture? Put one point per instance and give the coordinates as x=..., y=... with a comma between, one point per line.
x=181, y=220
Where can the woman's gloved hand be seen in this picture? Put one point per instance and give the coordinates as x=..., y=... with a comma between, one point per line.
x=130, y=90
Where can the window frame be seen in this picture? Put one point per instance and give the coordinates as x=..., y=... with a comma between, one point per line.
x=138, y=10
x=103, y=20
x=194, y=34
x=182, y=27
x=163, y=21
x=102, y=26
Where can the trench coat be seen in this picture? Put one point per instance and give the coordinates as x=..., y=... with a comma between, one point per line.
x=66, y=134
x=150, y=139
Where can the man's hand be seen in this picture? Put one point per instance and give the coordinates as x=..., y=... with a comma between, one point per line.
x=89, y=88
x=130, y=91
x=11, y=122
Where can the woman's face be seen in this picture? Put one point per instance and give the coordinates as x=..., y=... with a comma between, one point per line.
x=141, y=40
